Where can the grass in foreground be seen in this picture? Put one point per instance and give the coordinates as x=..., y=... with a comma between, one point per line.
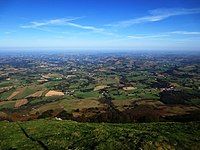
x=53, y=134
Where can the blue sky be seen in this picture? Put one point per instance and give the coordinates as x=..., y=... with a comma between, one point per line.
x=100, y=24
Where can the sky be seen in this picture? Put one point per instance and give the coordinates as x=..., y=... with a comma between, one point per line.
x=100, y=24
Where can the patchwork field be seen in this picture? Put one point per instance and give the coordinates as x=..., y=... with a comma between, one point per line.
x=116, y=101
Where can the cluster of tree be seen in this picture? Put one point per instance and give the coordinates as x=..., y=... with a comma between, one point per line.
x=160, y=83
x=179, y=96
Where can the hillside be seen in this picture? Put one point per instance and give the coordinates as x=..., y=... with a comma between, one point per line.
x=60, y=134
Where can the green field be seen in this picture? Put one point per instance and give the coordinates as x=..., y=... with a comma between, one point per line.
x=53, y=134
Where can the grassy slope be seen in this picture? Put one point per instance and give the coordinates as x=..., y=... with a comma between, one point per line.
x=70, y=135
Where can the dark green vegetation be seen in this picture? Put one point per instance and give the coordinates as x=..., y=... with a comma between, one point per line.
x=52, y=134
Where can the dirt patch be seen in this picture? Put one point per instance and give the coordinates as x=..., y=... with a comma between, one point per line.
x=54, y=93
x=20, y=103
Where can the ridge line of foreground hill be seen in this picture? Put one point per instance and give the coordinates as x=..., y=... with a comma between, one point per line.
x=65, y=134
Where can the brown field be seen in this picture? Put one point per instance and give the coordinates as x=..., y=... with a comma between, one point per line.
x=13, y=95
x=16, y=93
x=20, y=102
x=54, y=93
x=36, y=94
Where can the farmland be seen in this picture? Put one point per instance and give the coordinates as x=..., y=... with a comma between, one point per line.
x=89, y=101
x=156, y=87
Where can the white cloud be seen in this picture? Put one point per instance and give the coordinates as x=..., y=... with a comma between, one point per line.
x=166, y=34
x=156, y=15
x=185, y=32
x=147, y=36
x=85, y=27
x=64, y=22
x=60, y=21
